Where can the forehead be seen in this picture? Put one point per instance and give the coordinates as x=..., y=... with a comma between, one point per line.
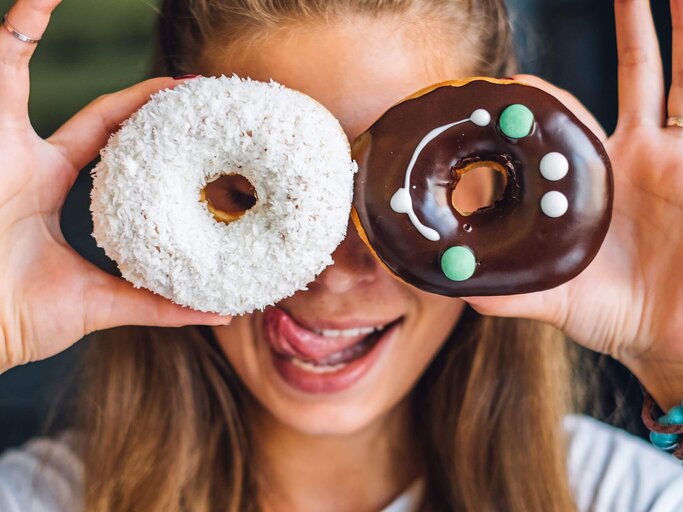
x=357, y=68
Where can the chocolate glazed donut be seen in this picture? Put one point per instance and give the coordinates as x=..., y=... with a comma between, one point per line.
x=545, y=228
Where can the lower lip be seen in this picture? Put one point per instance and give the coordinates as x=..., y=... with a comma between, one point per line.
x=331, y=382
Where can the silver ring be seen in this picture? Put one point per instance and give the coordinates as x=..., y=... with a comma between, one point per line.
x=22, y=37
x=674, y=121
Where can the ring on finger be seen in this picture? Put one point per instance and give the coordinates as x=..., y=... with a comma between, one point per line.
x=674, y=121
x=22, y=37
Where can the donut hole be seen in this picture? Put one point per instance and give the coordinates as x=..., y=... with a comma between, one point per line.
x=228, y=197
x=477, y=186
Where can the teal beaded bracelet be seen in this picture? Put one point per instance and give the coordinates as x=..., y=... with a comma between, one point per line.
x=665, y=433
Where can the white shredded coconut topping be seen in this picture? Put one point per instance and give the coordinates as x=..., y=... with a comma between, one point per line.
x=145, y=200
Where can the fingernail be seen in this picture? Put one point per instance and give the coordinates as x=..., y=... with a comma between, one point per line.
x=185, y=77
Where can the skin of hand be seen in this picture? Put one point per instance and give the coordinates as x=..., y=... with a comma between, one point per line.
x=50, y=296
x=628, y=303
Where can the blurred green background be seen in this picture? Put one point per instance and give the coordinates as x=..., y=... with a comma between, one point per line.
x=91, y=47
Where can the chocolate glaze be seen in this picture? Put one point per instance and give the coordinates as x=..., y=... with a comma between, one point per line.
x=518, y=249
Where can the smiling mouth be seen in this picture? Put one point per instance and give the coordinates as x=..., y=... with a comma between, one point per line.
x=339, y=360
x=323, y=353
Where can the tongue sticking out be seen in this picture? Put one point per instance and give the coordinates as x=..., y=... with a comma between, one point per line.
x=289, y=338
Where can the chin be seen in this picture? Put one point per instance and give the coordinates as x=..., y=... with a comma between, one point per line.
x=326, y=419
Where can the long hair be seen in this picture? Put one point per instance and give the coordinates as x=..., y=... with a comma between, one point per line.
x=163, y=411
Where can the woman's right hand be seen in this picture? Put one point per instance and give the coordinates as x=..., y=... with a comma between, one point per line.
x=50, y=296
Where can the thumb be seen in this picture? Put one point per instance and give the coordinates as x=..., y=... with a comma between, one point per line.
x=544, y=306
x=111, y=302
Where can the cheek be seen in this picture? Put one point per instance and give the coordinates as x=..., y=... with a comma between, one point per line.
x=238, y=342
x=434, y=320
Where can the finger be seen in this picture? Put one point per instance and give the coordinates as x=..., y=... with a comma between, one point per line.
x=82, y=136
x=111, y=302
x=569, y=101
x=641, y=82
x=543, y=306
x=30, y=17
x=676, y=93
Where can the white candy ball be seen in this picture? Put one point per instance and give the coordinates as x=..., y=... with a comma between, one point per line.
x=554, y=166
x=554, y=204
x=480, y=117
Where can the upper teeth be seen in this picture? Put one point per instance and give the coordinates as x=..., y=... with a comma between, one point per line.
x=356, y=331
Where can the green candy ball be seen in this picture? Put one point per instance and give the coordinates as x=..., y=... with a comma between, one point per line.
x=458, y=263
x=516, y=121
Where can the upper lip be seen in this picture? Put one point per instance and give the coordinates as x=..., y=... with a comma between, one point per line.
x=351, y=322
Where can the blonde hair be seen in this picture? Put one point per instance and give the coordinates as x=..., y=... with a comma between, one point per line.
x=164, y=412
x=190, y=28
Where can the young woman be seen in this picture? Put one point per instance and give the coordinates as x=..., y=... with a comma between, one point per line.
x=460, y=410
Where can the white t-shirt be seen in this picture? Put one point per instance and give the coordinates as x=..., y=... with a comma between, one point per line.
x=609, y=471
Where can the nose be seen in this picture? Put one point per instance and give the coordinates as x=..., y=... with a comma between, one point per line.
x=354, y=265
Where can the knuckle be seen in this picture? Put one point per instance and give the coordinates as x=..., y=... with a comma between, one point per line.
x=45, y=6
x=530, y=79
x=16, y=59
x=546, y=86
x=101, y=107
x=677, y=77
x=102, y=99
x=526, y=77
x=629, y=120
x=631, y=56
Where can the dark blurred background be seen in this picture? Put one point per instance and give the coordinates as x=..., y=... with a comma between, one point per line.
x=99, y=46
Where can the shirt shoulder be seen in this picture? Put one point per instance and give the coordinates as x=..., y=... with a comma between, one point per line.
x=610, y=469
x=45, y=475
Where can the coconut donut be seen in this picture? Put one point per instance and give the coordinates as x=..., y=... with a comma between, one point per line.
x=162, y=211
x=547, y=224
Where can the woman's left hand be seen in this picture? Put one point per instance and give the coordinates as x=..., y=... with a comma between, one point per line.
x=628, y=303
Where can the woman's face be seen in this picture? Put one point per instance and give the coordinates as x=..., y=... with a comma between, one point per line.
x=355, y=374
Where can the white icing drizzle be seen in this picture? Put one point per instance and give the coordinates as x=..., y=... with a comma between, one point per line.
x=401, y=201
